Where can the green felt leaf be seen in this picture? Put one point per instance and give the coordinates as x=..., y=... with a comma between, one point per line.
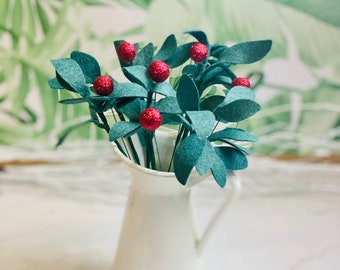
x=137, y=74
x=88, y=64
x=132, y=108
x=216, y=50
x=72, y=101
x=168, y=48
x=219, y=172
x=165, y=89
x=168, y=105
x=126, y=89
x=239, y=92
x=170, y=118
x=64, y=84
x=54, y=84
x=99, y=103
x=123, y=129
x=187, y=94
x=246, y=52
x=199, y=35
x=232, y=158
x=236, y=134
x=145, y=55
x=237, y=110
x=223, y=80
x=186, y=156
x=211, y=103
x=180, y=56
x=69, y=70
x=203, y=122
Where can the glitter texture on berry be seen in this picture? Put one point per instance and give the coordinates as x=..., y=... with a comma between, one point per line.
x=158, y=71
x=126, y=51
x=240, y=82
x=103, y=85
x=150, y=119
x=198, y=52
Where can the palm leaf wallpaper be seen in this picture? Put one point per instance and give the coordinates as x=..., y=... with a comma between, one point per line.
x=298, y=84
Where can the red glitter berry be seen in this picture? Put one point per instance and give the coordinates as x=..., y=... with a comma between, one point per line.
x=158, y=71
x=150, y=119
x=240, y=82
x=126, y=51
x=103, y=85
x=198, y=52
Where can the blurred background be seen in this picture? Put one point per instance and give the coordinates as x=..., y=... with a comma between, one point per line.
x=299, y=89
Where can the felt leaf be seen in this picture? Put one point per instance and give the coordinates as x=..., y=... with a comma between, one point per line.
x=72, y=101
x=237, y=110
x=54, y=84
x=239, y=92
x=216, y=50
x=219, y=172
x=144, y=56
x=211, y=103
x=137, y=74
x=186, y=156
x=187, y=94
x=69, y=70
x=165, y=89
x=168, y=105
x=99, y=103
x=232, y=158
x=236, y=134
x=64, y=84
x=168, y=48
x=88, y=64
x=170, y=118
x=123, y=129
x=199, y=35
x=124, y=90
x=180, y=56
x=132, y=108
x=223, y=80
x=246, y=52
x=203, y=122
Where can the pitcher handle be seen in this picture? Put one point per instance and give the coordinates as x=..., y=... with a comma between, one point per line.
x=231, y=195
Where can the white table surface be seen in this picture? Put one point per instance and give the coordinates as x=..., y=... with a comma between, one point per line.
x=67, y=214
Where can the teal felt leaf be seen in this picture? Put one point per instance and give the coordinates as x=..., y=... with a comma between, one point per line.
x=145, y=55
x=72, y=101
x=125, y=89
x=223, y=80
x=88, y=64
x=187, y=94
x=237, y=110
x=239, y=92
x=164, y=88
x=236, y=134
x=69, y=70
x=211, y=103
x=232, y=158
x=168, y=48
x=199, y=35
x=99, y=103
x=170, y=118
x=246, y=52
x=216, y=50
x=54, y=84
x=137, y=74
x=132, y=108
x=168, y=105
x=186, y=156
x=180, y=56
x=64, y=84
x=219, y=172
x=123, y=129
x=203, y=122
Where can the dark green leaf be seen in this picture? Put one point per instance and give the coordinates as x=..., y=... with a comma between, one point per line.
x=144, y=56
x=237, y=110
x=88, y=64
x=165, y=89
x=203, y=122
x=123, y=129
x=124, y=90
x=180, y=56
x=168, y=105
x=246, y=52
x=187, y=94
x=232, y=158
x=186, y=156
x=236, y=134
x=72, y=101
x=211, y=103
x=69, y=70
x=199, y=35
x=168, y=49
x=137, y=74
x=239, y=92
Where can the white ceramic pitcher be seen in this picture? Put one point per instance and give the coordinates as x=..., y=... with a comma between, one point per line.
x=158, y=231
